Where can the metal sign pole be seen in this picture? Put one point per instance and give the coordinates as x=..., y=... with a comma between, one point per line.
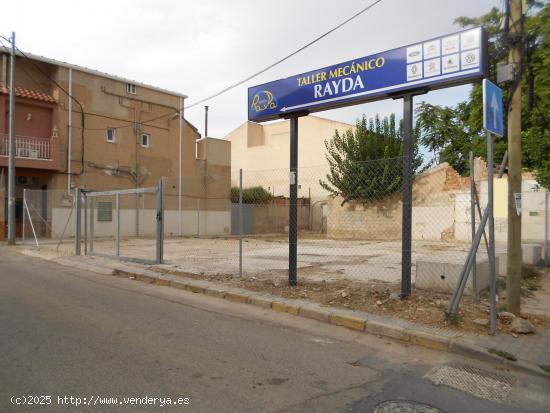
x=160, y=222
x=473, y=224
x=491, y=252
x=117, y=223
x=407, y=197
x=293, y=207
x=240, y=222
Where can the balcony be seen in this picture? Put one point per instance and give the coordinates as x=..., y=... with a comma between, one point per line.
x=31, y=152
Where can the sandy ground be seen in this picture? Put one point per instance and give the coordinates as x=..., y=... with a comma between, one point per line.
x=318, y=259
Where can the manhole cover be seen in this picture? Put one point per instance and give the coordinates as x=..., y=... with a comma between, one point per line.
x=405, y=406
x=482, y=384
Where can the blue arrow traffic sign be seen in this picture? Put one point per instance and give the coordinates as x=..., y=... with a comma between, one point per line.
x=492, y=108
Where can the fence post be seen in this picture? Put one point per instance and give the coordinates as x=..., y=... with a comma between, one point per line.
x=92, y=223
x=160, y=222
x=473, y=223
x=85, y=224
x=240, y=222
x=26, y=208
x=117, y=219
x=77, y=222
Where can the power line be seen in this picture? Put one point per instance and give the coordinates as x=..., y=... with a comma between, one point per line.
x=144, y=123
x=286, y=57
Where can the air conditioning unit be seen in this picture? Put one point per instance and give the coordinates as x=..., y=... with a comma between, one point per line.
x=33, y=153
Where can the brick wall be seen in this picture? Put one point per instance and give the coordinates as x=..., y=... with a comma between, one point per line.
x=434, y=204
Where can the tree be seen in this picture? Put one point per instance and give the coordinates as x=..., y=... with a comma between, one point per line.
x=253, y=195
x=451, y=132
x=365, y=163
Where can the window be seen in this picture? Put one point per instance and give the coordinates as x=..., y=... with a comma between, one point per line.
x=104, y=211
x=145, y=138
x=131, y=88
x=111, y=135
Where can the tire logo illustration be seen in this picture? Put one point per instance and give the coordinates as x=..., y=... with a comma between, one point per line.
x=263, y=100
x=470, y=58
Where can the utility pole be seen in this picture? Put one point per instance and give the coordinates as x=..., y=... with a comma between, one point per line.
x=11, y=161
x=206, y=121
x=514, y=160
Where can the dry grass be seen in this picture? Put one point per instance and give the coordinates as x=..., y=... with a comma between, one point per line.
x=376, y=297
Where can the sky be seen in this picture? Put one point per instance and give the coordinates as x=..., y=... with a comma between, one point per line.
x=198, y=48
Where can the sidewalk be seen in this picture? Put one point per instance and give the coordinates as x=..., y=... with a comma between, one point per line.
x=530, y=351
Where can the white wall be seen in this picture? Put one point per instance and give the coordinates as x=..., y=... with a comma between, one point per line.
x=194, y=222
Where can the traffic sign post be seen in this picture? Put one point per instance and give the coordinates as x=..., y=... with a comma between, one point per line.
x=492, y=109
x=445, y=61
x=493, y=124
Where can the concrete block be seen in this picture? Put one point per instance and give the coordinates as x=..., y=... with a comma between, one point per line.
x=285, y=307
x=259, y=301
x=426, y=339
x=386, y=330
x=532, y=253
x=145, y=278
x=163, y=282
x=348, y=321
x=443, y=275
x=236, y=297
x=315, y=314
x=215, y=292
x=179, y=285
x=195, y=288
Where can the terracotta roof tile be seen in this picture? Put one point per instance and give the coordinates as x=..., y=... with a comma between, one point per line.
x=28, y=94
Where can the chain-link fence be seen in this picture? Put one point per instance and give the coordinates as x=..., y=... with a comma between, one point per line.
x=123, y=223
x=349, y=224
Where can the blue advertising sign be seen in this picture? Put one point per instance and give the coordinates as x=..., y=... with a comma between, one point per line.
x=492, y=108
x=444, y=61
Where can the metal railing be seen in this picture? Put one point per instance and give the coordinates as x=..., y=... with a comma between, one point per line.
x=88, y=201
x=26, y=147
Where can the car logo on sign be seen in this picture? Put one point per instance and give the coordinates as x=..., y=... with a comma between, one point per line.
x=263, y=100
x=413, y=54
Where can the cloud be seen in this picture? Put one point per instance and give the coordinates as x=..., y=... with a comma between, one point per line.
x=198, y=48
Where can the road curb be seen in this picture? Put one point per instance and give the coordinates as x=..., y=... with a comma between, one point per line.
x=463, y=347
x=343, y=318
x=348, y=321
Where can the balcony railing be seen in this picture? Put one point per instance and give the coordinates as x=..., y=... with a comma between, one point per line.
x=26, y=147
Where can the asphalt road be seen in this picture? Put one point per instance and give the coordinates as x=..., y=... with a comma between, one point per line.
x=66, y=332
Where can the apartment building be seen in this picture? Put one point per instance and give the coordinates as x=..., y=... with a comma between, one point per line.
x=113, y=133
x=263, y=152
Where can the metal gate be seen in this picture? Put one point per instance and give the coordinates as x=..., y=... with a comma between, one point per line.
x=87, y=205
